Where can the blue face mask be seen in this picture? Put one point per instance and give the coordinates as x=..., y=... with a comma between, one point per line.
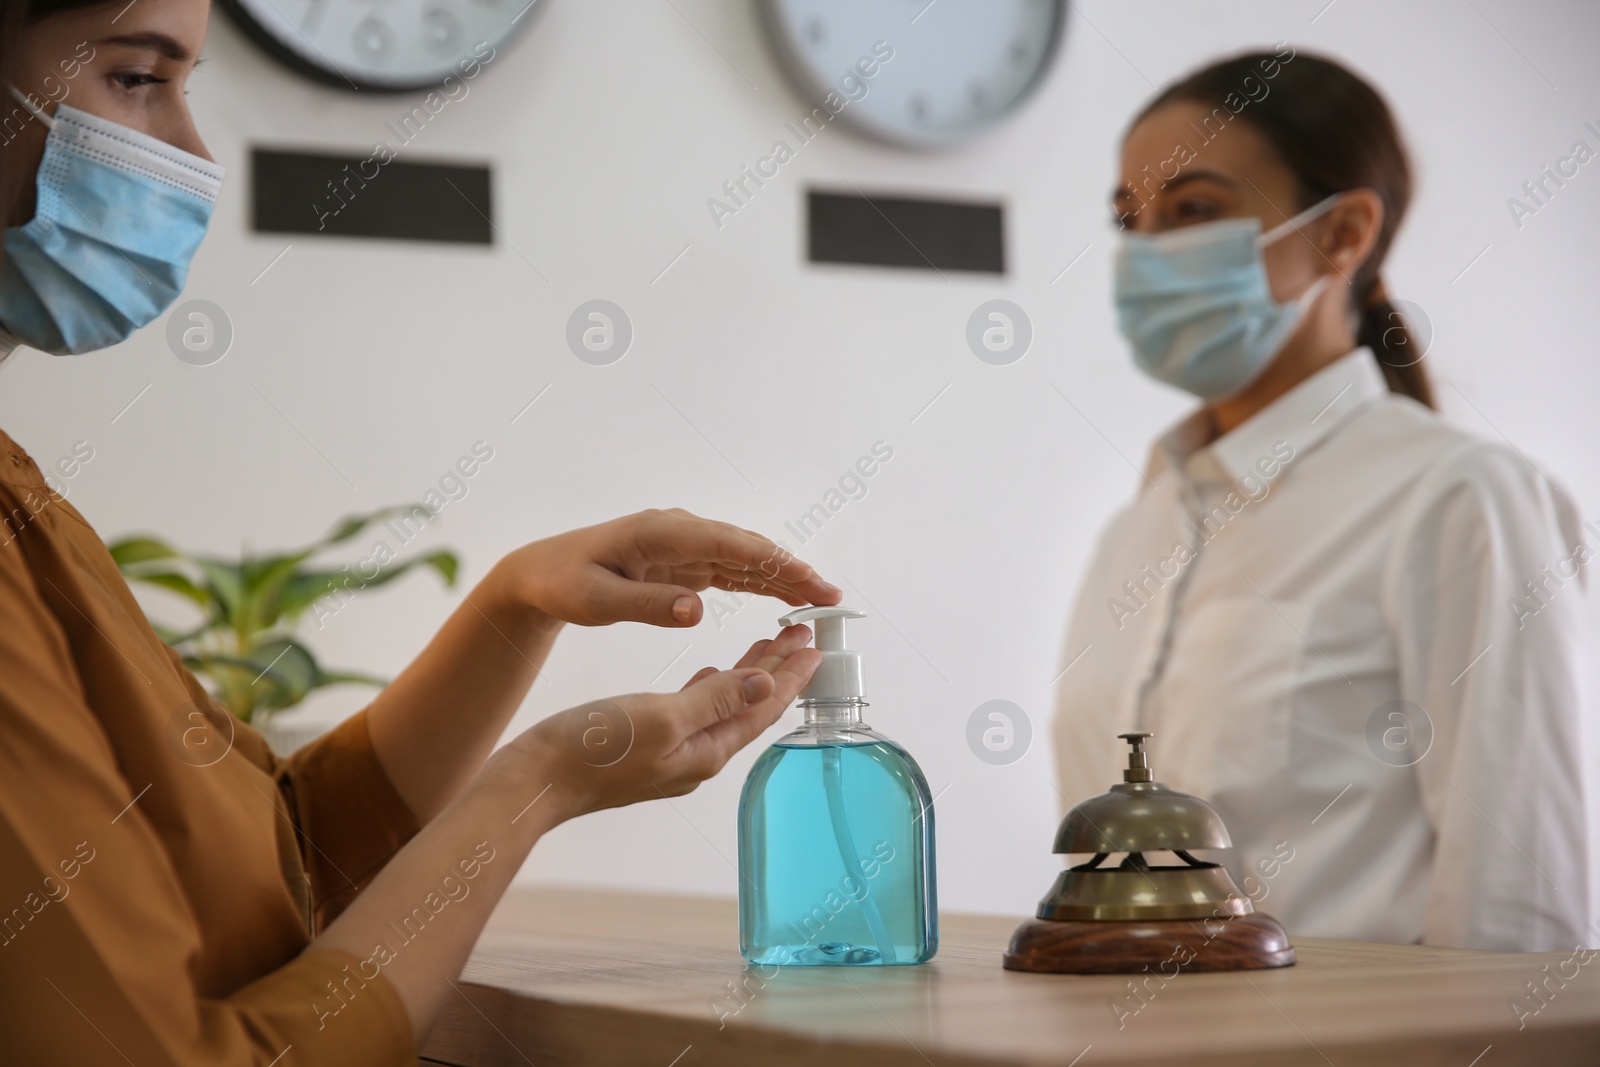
x=1196, y=307
x=119, y=216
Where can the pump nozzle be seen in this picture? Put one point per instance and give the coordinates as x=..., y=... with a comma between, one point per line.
x=839, y=676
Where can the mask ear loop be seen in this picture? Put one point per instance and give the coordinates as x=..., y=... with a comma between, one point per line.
x=34, y=109
x=1310, y=214
x=1314, y=290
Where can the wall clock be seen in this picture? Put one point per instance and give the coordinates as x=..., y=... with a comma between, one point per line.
x=916, y=73
x=387, y=46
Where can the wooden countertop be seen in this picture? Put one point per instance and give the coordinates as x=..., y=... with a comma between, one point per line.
x=564, y=977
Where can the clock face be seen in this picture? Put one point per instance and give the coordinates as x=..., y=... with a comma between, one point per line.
x=919, y=73
x=383, y=45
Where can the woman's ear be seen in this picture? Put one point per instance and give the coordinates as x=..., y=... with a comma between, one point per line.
x=1352, y=230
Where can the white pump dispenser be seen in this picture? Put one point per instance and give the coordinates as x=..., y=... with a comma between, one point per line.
x=839, y=676
x=836, y=807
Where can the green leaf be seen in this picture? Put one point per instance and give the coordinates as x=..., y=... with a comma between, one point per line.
x=274, y=675
x=302, y=590
x=251, y=603
x=288, y=672
x=132, y=550
x=286, y=669
x=214, y=663
x=232, y=677
x=175, y=582
x=445, y=562
x=226, y=583
x=264, y=581
x=350, y=678
x=351, y=525
x=178, y=638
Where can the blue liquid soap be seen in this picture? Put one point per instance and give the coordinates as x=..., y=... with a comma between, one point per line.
x=836, y=840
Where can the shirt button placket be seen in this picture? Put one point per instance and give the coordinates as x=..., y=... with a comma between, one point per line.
x=1169, y=598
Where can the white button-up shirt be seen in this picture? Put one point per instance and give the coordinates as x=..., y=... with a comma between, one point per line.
x=1354, y=629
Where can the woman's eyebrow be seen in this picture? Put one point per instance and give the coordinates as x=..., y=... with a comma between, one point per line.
x=1127, y=192
x=160, y=42
x=1201, y=175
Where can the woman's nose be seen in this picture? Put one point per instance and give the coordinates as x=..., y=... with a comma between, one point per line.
x=190, y=142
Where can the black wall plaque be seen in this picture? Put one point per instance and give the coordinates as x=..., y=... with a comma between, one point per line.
x=902, y=232
x=362, y=196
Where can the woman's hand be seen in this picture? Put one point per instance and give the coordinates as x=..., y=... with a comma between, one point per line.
x=435, y=724
x=643, y=746
x=648, y=567
x=600, y=755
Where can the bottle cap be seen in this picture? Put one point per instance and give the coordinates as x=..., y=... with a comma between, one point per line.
x=839, y=675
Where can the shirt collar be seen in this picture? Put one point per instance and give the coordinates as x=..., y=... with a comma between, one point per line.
x=1302, y=417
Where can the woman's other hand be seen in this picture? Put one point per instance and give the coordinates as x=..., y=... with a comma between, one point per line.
x=648, y=567
x=435, y=725
x=643, y=746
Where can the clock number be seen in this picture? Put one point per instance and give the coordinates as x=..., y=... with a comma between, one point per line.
x=382, y=45
x=441, y=29
x=372, y=39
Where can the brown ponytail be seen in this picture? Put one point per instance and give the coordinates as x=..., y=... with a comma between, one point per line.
x=1334, y=133
x=1394, y=344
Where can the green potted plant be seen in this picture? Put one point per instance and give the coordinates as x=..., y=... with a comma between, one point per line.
x=243, y=645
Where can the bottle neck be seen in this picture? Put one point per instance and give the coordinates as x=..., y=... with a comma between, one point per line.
x=833, y=712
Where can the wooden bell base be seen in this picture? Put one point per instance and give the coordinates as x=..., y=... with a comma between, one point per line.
x=1240, y=943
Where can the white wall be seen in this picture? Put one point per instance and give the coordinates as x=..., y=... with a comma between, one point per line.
x=608, y=125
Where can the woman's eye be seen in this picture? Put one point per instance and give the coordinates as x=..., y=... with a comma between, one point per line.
x=136, y=81
x=1194, y=210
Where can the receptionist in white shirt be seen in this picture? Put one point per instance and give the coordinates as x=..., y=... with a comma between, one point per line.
x=1351, y=626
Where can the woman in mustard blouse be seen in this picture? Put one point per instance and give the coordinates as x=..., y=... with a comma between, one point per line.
x=156, y=908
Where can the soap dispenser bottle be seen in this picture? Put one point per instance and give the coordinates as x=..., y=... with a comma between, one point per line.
x=836, y=862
